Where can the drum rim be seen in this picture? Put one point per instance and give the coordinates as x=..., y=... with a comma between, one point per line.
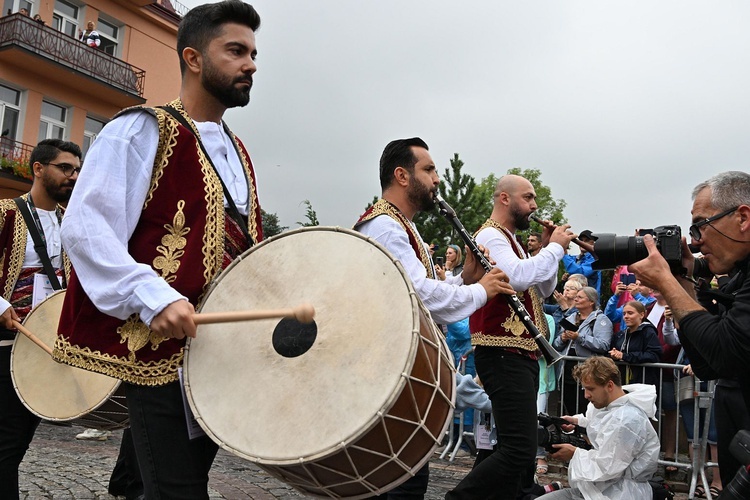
x=367, y=426
x=18, y=389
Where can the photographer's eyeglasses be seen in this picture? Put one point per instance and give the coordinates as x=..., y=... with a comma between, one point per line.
x=695, y=229
x=67, y=169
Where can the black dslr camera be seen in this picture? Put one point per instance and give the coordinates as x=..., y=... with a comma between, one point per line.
x=612, y=250
x=550, y=432
x=739, y=487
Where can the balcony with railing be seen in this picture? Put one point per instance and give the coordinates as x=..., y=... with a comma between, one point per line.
x=14, y=162
x=23, y=32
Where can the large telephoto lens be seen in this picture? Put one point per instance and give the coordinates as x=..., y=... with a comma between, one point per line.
x=612, y=250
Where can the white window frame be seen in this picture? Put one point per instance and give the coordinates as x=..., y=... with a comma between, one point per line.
x=90, y=136
x=64, y=19
x=116, y=24
x=6, y=105
x=51, y=122
x=21, y=4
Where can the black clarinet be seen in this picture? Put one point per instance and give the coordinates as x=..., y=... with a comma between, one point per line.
x=550, y=353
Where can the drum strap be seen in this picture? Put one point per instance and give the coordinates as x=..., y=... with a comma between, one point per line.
x=233, y=210
x=39, y=245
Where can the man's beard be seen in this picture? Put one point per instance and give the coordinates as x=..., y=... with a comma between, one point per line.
x=420, y=195
x=58, y=192
x=520, y=221
x=223, y=88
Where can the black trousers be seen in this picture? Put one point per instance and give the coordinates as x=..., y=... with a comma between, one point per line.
x=731, y=417
x=126, y=477
x=511, y=381
x=171, y=465
x=17, y=427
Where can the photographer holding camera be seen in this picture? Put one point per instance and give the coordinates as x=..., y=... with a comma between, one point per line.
x=714, y=324
x=625, y=447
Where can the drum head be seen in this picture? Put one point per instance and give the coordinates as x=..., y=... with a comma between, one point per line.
x=274, y=409
x=52, y=390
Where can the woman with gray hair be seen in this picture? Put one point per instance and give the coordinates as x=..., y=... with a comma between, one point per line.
x=587, y=332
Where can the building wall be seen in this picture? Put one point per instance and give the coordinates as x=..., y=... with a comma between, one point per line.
x=147, y=42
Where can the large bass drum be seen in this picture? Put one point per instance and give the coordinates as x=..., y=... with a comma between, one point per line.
x=350, y=406
x=58, y=392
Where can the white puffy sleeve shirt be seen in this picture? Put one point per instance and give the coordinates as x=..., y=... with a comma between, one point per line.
x=448, y=301
x=539, y=270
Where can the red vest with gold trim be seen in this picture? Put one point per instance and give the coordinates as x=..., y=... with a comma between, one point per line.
x=384, y=207
x=180, y=234
x=496, y=324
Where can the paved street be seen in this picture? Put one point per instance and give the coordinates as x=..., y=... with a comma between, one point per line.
x=60, y=467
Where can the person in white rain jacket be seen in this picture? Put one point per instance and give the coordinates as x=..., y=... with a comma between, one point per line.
x=625, y=449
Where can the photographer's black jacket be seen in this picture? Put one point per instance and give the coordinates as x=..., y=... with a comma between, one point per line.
x=717, y=341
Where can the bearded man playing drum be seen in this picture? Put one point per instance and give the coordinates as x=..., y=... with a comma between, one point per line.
x=409, y=182
x=506, y=355
x=168, y=200
x=54, y=165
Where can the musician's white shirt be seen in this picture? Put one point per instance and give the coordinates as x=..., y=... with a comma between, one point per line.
x=540, y=270
x=106, y=206
x=448, y=301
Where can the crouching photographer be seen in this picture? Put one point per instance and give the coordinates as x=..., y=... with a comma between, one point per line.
x=625, y=448
x=713, y=323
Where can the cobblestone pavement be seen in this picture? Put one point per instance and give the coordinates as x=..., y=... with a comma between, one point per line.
x=60, y=467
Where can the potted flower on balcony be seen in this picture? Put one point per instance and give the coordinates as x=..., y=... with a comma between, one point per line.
x=16, y=165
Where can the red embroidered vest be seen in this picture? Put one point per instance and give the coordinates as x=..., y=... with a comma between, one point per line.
x=181, y=234
x=496, y=324
x=383, y=207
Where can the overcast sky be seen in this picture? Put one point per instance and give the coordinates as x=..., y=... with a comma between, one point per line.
x=623, y=106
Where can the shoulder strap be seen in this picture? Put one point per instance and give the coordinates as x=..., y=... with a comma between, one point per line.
x=39, y=246
x=235, y=213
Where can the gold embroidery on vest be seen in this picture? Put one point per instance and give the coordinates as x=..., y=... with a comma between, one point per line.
x=512, y=323
x=480, y=338
x=213, y=236
x=172, y=245
x=383, y=207
x=252, y=228
x=164, y=150
x=137, y=335
x=150, y=373
x=17, y=253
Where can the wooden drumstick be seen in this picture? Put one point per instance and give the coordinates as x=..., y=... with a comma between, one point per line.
x=32, y=337
x=304, y=313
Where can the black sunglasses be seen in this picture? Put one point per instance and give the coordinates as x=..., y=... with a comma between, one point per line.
x=66, y=168
x=695, y=229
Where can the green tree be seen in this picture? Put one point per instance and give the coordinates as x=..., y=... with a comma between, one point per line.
x=271, y=224
x=310, y=214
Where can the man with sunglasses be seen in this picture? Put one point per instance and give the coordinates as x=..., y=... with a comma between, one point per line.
x=714, y=325
x=54, y=166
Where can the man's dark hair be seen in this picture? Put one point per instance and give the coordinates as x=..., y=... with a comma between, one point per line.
x=204, y=23
x=536, y=235
x=398, y=153
x=48, y=149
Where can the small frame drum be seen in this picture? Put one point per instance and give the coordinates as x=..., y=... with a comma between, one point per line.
x=56, y=391
x=349, y=406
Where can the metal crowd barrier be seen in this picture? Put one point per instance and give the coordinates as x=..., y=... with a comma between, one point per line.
x=702, y=401
x=455, y=439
